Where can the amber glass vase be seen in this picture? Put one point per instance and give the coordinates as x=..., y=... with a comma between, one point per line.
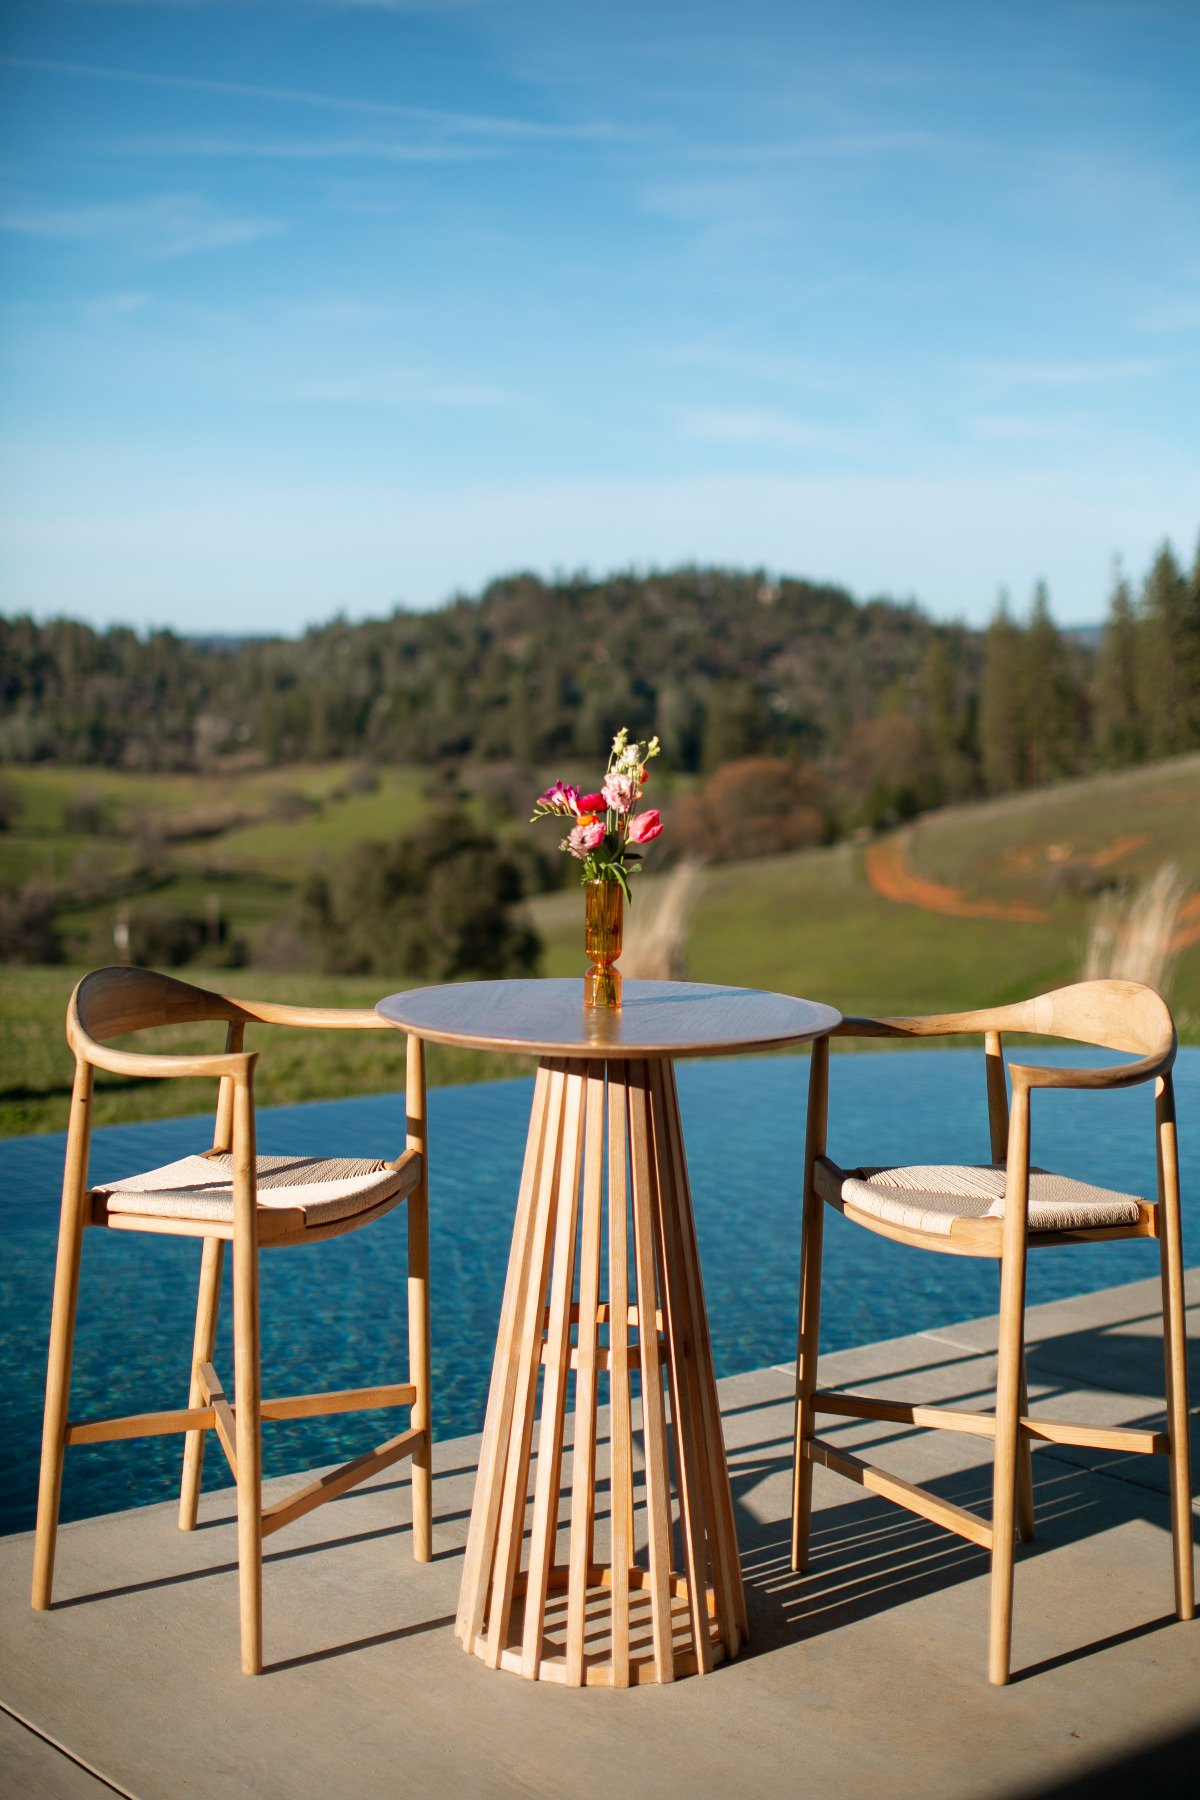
x=603, y=902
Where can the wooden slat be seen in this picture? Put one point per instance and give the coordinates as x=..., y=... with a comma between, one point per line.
x=620, y=1424
x=528, y=1338
x=950, y=1418
x=695, y=1506
x=732, y=1618
x=585, y=1360
x=603, y=1356
x=658, y=1499
x=204, y=1418
x=493, y=1453
x=1098, y=1437
x=224, y=1417
x=903, y=1412
x=891, y=1487
x=339, y=1400
x=136, y=1425
x=548, y=1477
x=338, y=1481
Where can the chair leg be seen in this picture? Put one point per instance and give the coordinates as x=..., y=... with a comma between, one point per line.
x=418, y=1309
x=212, y=1262
x=1026, y=1527
x=1006, y=1470
x=62, y=1339
x=810, y=1306
x=247, y=1404
x=1175, y=1356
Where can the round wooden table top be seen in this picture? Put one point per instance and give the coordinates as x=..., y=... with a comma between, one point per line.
x=656, y=1018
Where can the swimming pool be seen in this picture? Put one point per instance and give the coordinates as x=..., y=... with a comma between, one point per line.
x=334, y=1315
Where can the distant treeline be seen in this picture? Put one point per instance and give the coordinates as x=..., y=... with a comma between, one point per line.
x=897, y=712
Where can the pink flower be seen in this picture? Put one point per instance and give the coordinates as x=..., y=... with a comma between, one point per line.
x=591, y=803
x=560, y=799
x=585, y=838
x=645, y=828
x=618, y=792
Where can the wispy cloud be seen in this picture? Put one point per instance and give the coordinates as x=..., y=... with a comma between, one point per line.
x=1011, y=428
x=118, y=306
x=347, y=312
x=400, y=388
x=751, y=428
x=1067, y=374
x=298, y=149
x=469, y=124
x=849, y=144
x=1168, y=316
x=161, y=226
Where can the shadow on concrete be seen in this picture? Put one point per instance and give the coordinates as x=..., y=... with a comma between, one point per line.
x=367, y=1643
x=182, y=1576
x=1168, y=1770
x=869, y=1556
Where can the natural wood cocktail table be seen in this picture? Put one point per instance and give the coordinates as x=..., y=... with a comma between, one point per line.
x=604, y=1287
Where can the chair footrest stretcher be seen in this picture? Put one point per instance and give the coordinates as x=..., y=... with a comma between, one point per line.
x=949, y=1418
x=219, y=1415
x=904, y=1493
x=200, y=1418
x=339, y=1481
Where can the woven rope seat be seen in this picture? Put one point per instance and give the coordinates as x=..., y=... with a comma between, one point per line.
x=324, y=1188
x=932, y=1196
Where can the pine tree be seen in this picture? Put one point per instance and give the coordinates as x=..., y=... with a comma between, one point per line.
x=1050, y=698
x=1001, y=709
x=1191, y=654
x=1120, y=727
x=947, y=722
x=1166, y=670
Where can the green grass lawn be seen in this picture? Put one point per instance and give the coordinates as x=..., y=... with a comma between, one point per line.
x=287, y=847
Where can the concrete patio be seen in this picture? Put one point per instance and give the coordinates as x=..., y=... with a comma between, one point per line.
x=864, y=1677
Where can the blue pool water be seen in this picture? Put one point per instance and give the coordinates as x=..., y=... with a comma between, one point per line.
x=334, y=1315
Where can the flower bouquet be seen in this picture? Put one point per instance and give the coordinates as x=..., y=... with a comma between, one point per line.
x=606, y=831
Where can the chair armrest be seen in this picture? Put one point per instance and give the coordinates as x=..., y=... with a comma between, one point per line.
x=932, y=1025
x=322, y=1018
x=1030, y=1075
x=236, y=1065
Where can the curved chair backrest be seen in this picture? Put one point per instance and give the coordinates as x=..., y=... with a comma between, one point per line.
x=109, y=1002
x=1114, y=1015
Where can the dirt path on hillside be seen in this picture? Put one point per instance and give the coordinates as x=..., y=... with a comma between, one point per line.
x=890, y=877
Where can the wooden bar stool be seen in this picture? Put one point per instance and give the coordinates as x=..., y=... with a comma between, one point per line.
x=1003, y=1209
x=231, y=1194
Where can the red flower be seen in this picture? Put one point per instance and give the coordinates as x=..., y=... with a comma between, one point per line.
x=645, y=827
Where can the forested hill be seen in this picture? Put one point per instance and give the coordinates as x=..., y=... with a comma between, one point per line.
x=526, y=670
x=720, y=664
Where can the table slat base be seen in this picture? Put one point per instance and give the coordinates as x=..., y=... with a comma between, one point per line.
x=644, y=1585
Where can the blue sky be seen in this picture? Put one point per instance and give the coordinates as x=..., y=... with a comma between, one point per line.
x=310, y=306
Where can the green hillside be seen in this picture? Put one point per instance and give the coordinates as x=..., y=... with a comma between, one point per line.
x=809, y=923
